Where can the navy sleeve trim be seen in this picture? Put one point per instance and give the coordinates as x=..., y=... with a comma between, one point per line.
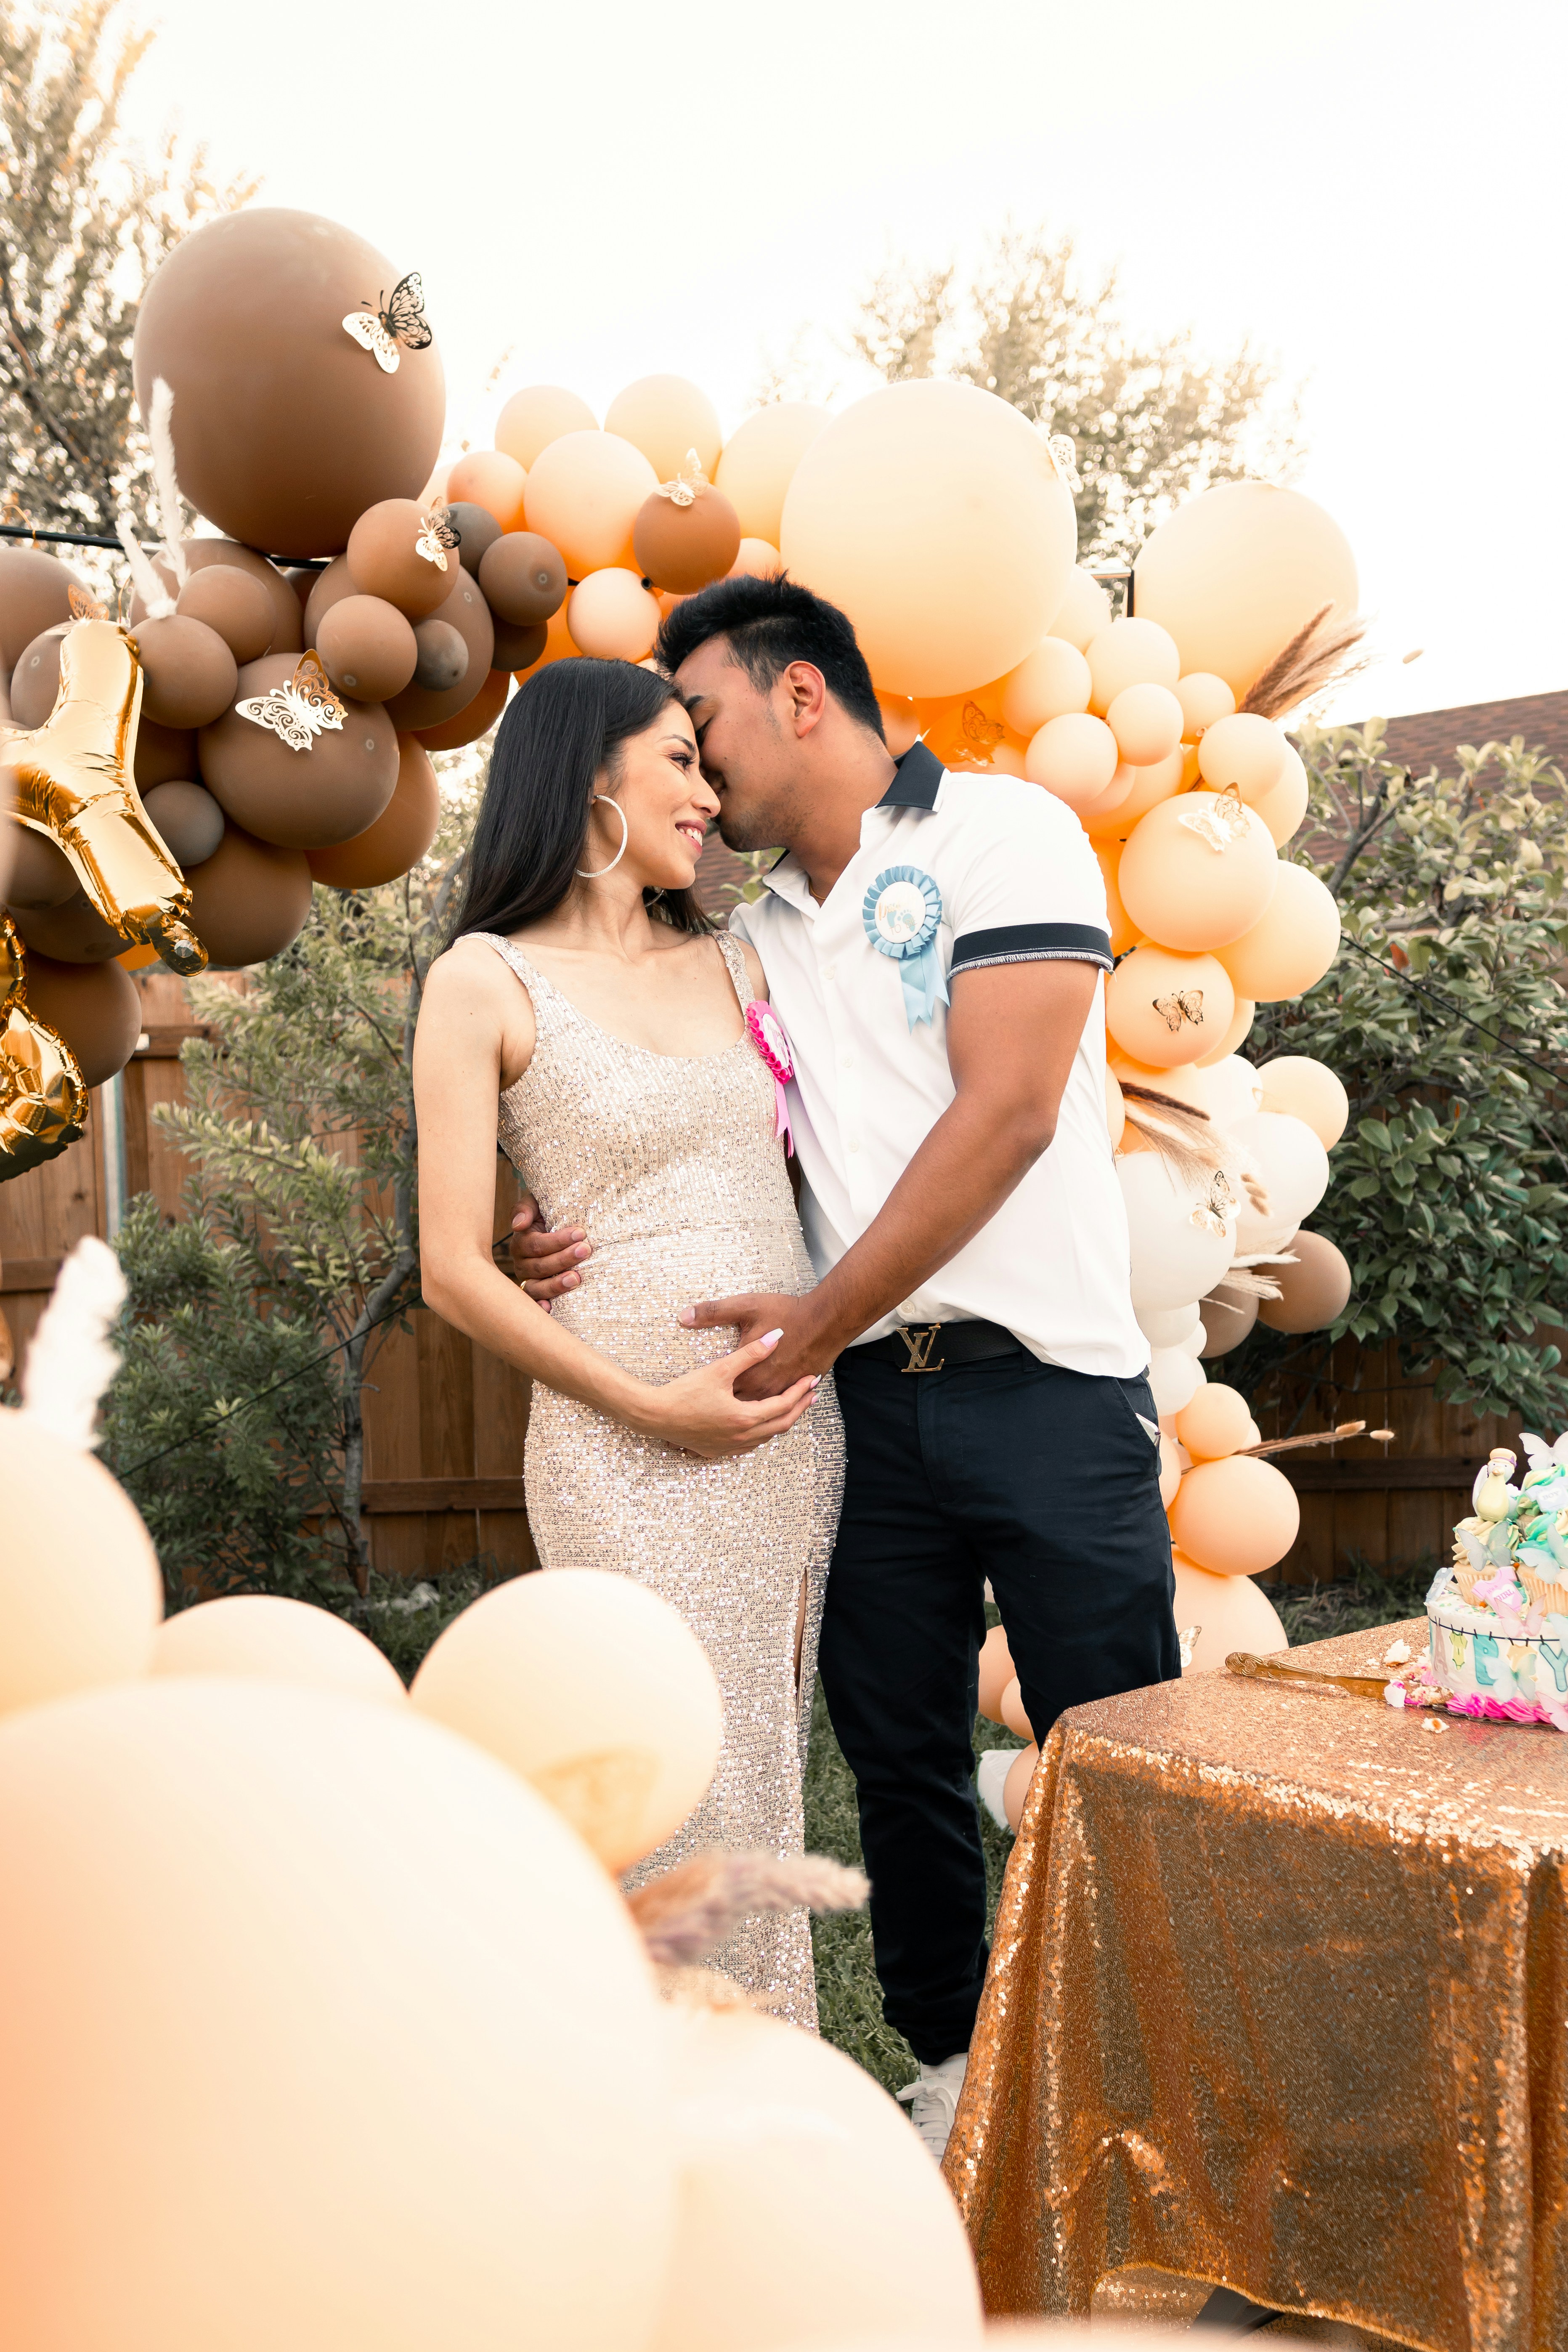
x=1033, y=943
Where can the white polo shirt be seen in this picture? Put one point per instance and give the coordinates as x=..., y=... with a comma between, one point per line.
x=1018, y=882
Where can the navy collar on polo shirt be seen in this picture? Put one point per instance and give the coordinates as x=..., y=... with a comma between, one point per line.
x=917, y=779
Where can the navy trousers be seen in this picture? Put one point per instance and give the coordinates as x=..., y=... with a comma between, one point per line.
x=1043, y=1481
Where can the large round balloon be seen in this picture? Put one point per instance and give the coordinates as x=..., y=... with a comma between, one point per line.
x=1176, y=1254
x=1166, y=1008
x=1313, y=1291
x=285, y=428
x=189, y=820
x=80, y=1594
x=932, y=513
x=317, y=2030
x=95, y=1007
x=1198, y=872
x=1235, y=1517
x=475, y=719
x=759, y=463
x=300, y=799
x=1292, y=1167
x=34, y=595
x=1227, y=1613
x=1305, y=1089
x=72, y=932
x=201, y=553
x=583, y=493
x=539, y=415
x=1234, y=574
x=262, y=1634
x=1292, y=943
x=248, y=901
x=400, y=836
x=667, y=419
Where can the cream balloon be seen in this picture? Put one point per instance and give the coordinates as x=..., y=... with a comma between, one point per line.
x=932, y=513
x=1174, y=1378
x=1228, y=1317
x=1283, y=808
x=80, y=1591
x=1308, y=1090
x=1235, y=1517
x=1235, y=573
x=1230, y=1090
x=282, y=1640
x=583, y=495
x=1084, y=611
x=1292, y=943
x=667, y=419
x=1292, y=1166
x=593, y=1689
x=1203, y=699
x=1214, y=1422
x=1050, y=683
x=755, y=558
x=610, y=613
x=1243, y=750
x=1233, y=1614
x=1074, y=757
x=1016, y=1786
x=359, y=1992
x=542, y=412
x=1129, y=652
x=1194, y=881
x=1167, y=1326
x=1163, y=1008
x=1146, y=721
x=1174, y=1258
x=809, y=2211
x=757, y=464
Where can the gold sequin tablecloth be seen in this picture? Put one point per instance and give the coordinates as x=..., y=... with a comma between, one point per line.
x=1280, y=2000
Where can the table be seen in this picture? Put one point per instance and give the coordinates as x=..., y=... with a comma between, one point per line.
x=1279, y=2000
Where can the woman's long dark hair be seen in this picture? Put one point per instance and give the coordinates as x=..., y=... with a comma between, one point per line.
x=559, y=729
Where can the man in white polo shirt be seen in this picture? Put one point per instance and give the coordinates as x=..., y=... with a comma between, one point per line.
x=933, y=946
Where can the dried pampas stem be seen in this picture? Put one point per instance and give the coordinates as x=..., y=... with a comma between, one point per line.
x=1314, y=658
x=1246, y=1284
x=695, y=1906
x=149, y=587
x=1185, y=1135
x=171, y=520
x=70, y=1361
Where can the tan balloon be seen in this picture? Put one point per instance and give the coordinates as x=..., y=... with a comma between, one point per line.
x=997, y=1671
x=81, y=1593
x=463, y=609
x=1016, y=1787
x=759, y=461
x=612, y=615
x=228, y=553
x=36, y=678
x=367, y=647
x=34, y=595
x=95, y=1007
x=1235, y=573
x=523, y=578
x=229, y=1901
x=666, y=418
x=260, y=1633
x=248, y=901
x=583, y=493
x=188, y=673
x=809, y=2212
x=593, y=1689
x=233, y=603
x=1050, y=683
x=1163, y=1009
x=1203, y=699
x=1215, y=1423
x=298, y=799
x=932, y=513
x=1228, y=1317
x=1232, y=1612
x=1074, y=757
x=1283, y=808
x=1308, y=1090
x=1131, y=795
x=1292, y=943
x=332, y=586
x=1146, y=721
x=475, y=719
x=541, y=412
x=400, y=834
x=491, y=480
x=188, y=820
x=385, y=559
x=1129, y=652
x=41, y=875
x=1235, y=1517
x=1244, y=750
x=1314, y=1292
x=1084, y=611
x=1183, y=891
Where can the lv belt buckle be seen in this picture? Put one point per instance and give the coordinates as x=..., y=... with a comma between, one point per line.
x=919, y=1338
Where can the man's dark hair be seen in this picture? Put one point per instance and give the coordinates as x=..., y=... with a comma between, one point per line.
x=771, y=622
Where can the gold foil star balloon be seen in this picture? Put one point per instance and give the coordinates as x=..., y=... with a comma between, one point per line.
x=42, y=1102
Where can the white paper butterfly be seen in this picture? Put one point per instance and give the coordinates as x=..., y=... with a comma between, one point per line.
x=437, y=539
x=1217, y=818
x=300, y=709
x=399, y=317
x=688, y=484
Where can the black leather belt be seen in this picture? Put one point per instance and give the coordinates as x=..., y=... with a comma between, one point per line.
x=935, y=1347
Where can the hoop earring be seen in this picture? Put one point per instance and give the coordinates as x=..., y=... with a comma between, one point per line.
x=582, y=872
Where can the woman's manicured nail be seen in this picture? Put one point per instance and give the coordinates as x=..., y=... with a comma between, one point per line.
x=772, y=1339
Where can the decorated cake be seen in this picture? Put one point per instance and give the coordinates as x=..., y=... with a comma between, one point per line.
x=1497, y=1613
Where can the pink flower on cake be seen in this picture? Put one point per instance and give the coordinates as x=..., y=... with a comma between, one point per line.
x=768, y=1035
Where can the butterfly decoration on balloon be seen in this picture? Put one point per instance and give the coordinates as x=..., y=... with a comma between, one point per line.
x=437, y=539
x=300, y=709
x=394, y=319
x=1182, y=1005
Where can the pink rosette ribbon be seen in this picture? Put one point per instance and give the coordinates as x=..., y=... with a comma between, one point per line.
x=767, y=1034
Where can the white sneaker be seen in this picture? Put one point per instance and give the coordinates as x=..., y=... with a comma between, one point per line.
x=932, y=2102
x=990, y=1774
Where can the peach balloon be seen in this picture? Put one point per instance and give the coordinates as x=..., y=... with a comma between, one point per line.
x=997, y=1671
x=1185, y=1082
x=1195, y=885
x=1215, y=1423
x=1074, y=757
x=1084, y=611
x=931, y=512
x=1005, y=760
x=490, y=478
x=260, y=1633
x=1290, y=944
x=1122, y=934
x=1235, y=1517
x=1230, y=1611
x=756, y=559
x=558, y=647
x=1308, y=1090
x=1170, y=1470
x=1131, y=795
x=1244, y=750
x=1241, y=1022
x=611, y=614
x=229, y=1903
x=758, y=462
x=584, y=492
x=1146, y=721
x=1115, y=1112
x=1050, y=683
x=1013, y=1714
x=1016, y=1787
x=1129, y=652
x=1203, y=699
x=900, y=723
x=1163, y=1008
x=623, y=1748
x=1314, y=1292
x=1283, y=807
x=1235, y=573
x=666, y=418
x=80, y=1593
x=542, y=412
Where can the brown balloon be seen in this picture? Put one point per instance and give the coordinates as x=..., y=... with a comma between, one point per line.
x=475, y=719
x=164, y=754
x=368, y=648
x=299, y=800
x=1313, y=1291
x=477, y=530
x=188, y=819
x=302, y=578
x=400, y=836
x=524, y=577
x=285, y=428
x=232, y=604
x=443, y=657
x=287, y=632
x=518, y=646
x=34, y=595
x=188, y=673
x=466, y=611
x=41, y=874
x=72, y=932
x=249, y=901
x=1228, y=1317
x=332, y=586
x=384, y=558
x=681, y=548
x=36, y=679
x=96, y=1008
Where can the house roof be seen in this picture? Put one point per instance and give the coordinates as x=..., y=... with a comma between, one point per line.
x=1428, y=738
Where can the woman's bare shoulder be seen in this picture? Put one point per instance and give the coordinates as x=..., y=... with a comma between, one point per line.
x=470, y=967
x=754, y=972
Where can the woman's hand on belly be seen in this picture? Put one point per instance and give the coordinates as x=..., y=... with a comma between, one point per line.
x=700, y=1414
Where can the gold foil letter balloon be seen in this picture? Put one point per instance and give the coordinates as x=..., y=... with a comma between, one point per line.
x=42, y=1102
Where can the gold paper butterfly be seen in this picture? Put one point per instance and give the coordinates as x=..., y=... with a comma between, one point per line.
x=84, y=604
x=1213, y=1216
x=1064, y=458
x=1217, y=818
x=300, y=709
x=688, y=484
x=399, y=317
x=437, y=539
x=978, y=728
x=1184, y=1004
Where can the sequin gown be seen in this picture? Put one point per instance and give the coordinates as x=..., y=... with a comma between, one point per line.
x=672, y=1165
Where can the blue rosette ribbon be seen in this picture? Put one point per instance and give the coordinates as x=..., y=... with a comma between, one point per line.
x=901, y=911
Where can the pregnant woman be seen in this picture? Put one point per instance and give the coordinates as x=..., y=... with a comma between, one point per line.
x=586, y=999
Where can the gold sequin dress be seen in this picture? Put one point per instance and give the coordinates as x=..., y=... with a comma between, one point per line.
x=672, y=1165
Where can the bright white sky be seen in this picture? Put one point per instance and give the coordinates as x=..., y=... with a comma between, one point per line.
x=1370, y=189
